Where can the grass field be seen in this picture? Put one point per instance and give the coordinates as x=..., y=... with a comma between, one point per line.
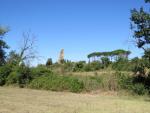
x=15, y=100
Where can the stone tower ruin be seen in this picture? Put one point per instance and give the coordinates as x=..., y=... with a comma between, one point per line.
x=61, y=56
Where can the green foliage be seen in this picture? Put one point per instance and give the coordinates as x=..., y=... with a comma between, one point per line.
x=75, y=85
x=93, y=66
x=40, y=71
x=79, y=66
x=49, y=62
x=118, y=52
x=57, y=83
x=133, y=84
x=3, y=45
x=122, y=64
x=141, y=27
x=4, y=72
x=112, y=53
x=24, y=75
x=88, y=67
x=20, y=75
x=141, y=66
x=105, y=62
x=117, y=58
x=69, y=66
x=140, y=22
x=13, y=58
x=41, y=77
x=124, y=80
x=12, y=78
x=96, y=65
x=139, y=89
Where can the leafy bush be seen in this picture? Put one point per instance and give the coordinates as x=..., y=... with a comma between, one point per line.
x=105, y=62
x=75, y=85
x=124, y=80
x=93, y=66
x=141, y=67
x=88, y=68
x=69, y=66
x=24, y=75
x=130, y=83
x=12, y=78
x=40, y=71
x=79, y=66
x=57, y=83
x=96, y=65
x=139, y=89
x=122, y=64
x=4, y=72
x=49, y=62
x=21, y=75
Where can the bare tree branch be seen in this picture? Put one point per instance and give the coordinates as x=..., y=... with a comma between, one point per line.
x=28, y=48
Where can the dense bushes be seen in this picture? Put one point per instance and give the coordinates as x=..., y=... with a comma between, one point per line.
x=79, y=66
x=4, y=72
x=43, y=77
x=139, y=89
x=19, y=75
x=125, y=81
x=40, y=71
x=12, y=78
x=57, y=83
x=135, y=84
x=121, y=64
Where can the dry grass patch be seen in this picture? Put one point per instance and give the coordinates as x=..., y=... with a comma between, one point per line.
x=15, y=100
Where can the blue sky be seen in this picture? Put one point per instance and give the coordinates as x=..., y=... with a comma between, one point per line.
x=78, y=26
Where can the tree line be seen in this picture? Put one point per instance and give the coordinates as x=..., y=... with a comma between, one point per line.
x=111, y=55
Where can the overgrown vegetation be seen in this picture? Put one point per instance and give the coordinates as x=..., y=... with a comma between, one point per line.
x=132, y=75
x=16, y=71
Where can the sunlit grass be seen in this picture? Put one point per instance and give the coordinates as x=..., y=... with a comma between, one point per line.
x=15, y=100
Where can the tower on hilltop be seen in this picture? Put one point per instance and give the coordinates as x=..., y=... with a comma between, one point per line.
x=61, y=56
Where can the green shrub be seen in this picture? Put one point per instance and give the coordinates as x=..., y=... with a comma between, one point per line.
x=131, y=83
x=12, y=78
x=105, y=62
x=87, y=68
x=40, y=71
x=4, y=72
x=79, y=66
x=96, y=65
x=124, y=80
x=139, y=89
x=57, y=83
x=2, y=81
x=75, y=85
x=21, y=75
x=24, y=75
x=122, y=64
x=69, y=66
